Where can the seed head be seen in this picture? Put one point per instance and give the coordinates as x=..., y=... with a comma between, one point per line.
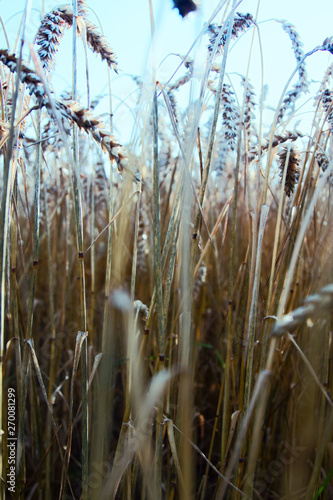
x=322, y=161
x=292, y=176
x=241, y=23
x=328, y=44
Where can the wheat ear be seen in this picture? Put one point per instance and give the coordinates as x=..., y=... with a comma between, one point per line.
x=292, y=175
x=313, y=304
x=52, y=29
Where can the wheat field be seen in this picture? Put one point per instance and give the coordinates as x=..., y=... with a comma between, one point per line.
x=166, y=304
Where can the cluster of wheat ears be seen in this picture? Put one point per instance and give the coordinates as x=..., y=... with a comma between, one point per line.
x=166, y=306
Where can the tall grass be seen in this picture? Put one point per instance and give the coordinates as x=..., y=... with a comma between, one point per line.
x=166, y=306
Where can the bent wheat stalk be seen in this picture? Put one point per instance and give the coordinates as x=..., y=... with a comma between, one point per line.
x=73, y=111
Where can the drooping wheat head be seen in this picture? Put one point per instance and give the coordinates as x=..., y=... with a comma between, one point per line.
x=293, y=171
x=52, y=29
x=242, y=22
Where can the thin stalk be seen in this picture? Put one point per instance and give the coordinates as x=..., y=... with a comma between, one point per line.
x=172, y=442
x=103, y=402
x=216, y=421
x=221, y=216
x=17, y=331
x=226, y=401
x=157, y=235
x=253, y=310
x=135, y=246
x=52, y=348
x=92, y=256
x=83, y=308
x=311, y=370
x=251, y=336
x=276, y=242
x=169, y=279
x=262, y=383
x=159, y=296
x=36, y=234
x=20, y=458
x=79, y=345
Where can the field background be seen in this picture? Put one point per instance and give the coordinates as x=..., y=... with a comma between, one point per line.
x=166, y=251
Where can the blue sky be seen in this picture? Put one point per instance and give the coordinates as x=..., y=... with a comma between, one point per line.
x=126, y=24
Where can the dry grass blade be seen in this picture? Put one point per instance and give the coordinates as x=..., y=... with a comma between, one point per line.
x=42, y=386
x=111, y=222
x=262, y=382
x=311, y=370
x=80, y=338
x=211, y=465
x=97, y=361
x=138, y=440
x=171, y=436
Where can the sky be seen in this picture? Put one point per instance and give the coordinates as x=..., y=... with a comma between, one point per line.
x=126, y=25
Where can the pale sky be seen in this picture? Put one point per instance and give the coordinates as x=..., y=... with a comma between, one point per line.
x=126, y=24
